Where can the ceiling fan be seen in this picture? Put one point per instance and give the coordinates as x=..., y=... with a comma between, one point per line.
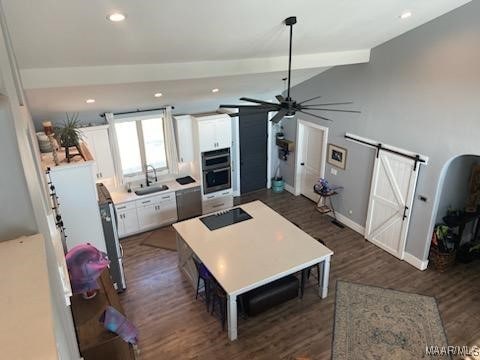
x=287, y=107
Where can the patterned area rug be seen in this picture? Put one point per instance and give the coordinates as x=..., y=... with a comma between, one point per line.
x=164, y=238
x=375, y=324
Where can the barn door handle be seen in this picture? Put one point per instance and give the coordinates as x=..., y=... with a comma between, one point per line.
x=405, y=213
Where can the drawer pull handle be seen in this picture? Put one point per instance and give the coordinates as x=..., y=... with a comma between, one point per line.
x=218, y=205
x=121, y=207
x=166, y=197
x=146, y=202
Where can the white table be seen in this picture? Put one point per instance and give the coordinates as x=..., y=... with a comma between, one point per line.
x=252, y=253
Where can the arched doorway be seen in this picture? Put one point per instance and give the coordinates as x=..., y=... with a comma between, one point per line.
x=458, y=199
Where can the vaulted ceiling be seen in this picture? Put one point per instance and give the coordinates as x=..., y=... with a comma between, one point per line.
x=68, y=51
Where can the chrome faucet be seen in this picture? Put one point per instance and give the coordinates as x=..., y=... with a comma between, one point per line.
x=147, y=178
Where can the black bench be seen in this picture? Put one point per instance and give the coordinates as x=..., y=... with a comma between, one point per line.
x=263, y=298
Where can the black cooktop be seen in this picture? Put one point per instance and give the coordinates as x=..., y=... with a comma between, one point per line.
x=225, y=218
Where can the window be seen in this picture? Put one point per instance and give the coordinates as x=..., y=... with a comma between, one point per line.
x=141, y=142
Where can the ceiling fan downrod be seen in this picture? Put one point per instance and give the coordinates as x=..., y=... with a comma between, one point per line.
x=290, y=21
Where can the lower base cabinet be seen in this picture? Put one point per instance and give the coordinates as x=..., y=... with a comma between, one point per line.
x=127, y=221
x=146, y=214
x=217, y=202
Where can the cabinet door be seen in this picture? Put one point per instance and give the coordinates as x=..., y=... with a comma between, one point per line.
x=88, y=138
x=207, y=137
x=223, y=133
x=148, y=216
x=130, y=221
x=127, y=222
x=168, y=211
x=103, y=154
x=184, y=138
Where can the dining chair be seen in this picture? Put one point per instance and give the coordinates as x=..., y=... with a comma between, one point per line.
x=219, y=295
x=205, y=276
x=306, y=272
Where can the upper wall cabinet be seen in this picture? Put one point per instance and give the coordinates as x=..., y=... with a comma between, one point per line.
x=97, y=140
x=184, y=134
x=214, y=132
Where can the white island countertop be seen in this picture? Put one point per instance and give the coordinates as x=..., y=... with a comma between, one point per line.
x=254, y=252
x=120, y=197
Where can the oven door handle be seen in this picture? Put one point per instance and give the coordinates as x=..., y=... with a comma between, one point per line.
x=222, y=169
x=208, y=157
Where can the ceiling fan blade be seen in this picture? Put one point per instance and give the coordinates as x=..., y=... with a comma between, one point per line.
x=279, y=116
x=247, y=114
x=337, y=110
x=229, y=106
x=280, y=98
x=258, y=101
x=317, y=116
x=328, y=104
x=304, y=101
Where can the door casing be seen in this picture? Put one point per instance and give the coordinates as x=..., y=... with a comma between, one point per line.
x=303, y=126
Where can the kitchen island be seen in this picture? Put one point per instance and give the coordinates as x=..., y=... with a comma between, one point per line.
x=249, y=254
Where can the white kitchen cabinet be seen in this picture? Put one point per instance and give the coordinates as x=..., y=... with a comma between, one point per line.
x=223, y=133
x=214, y=132
x=97, y=140
x=147, y=213
x=218, y=201
x=184, y=134
x=127, y=219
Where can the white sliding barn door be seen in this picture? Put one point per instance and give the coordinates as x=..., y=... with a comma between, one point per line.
x=391, y=197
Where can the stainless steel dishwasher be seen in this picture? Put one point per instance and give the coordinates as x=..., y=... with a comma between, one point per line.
x=189, y=203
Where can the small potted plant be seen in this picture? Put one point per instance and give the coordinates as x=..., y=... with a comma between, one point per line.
x=443, y=250
x=69, y=134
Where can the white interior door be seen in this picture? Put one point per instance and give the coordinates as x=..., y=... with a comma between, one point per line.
x=391, y=197
x=312, y=159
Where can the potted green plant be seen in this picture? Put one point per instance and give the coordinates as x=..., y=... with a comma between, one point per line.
x=69, y=134
x=443, y=250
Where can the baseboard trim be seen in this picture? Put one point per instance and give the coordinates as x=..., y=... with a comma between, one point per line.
x=416, y=262
x=289, y=188
x=349, y=222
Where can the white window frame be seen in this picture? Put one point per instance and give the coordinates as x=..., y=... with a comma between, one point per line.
x=141, y=142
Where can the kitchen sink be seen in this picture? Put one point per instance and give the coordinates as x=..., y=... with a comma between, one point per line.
x=151, y=189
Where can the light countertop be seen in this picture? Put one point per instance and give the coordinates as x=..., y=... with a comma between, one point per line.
x=120, y=197
x=254, y=252
x=26, y=329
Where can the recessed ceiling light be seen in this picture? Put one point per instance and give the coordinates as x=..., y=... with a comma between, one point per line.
x=215, y=90
x=90, y=101
x=406, y=15
x=116, y=17
x=157, y=94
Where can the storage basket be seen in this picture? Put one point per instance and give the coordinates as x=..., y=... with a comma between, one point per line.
x=442, y=261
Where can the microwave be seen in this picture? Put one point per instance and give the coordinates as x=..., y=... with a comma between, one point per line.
x=215, y=159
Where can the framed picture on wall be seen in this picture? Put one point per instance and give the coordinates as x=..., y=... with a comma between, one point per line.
x=337, y=156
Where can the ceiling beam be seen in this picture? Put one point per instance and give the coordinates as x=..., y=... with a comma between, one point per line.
x=41, y=78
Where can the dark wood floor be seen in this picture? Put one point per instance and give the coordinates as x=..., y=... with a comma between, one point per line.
x=173, y=325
